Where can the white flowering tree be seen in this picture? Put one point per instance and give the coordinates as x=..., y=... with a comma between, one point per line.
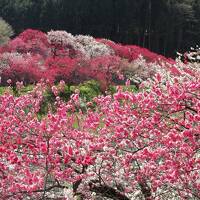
x=87, y=46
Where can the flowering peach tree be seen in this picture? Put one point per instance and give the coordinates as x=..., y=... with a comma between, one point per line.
x=143, y=145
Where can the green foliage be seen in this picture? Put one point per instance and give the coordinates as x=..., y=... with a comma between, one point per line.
x=2, y=90
x=88, y=90
x=131, y=88
x=112, y=89
x=6, y=32
x=26, y=89
x=16, y=92
x=66, y=93
x=47, y=103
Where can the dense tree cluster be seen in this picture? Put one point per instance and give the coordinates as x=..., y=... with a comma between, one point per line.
x=163, y=26
x=60, y=140
x=73, y=58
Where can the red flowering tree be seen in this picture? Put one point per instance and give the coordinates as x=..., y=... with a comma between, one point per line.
x=20, y=67
x=30, y=41
x=132, y=52
x=102, y=68
x=62, y=67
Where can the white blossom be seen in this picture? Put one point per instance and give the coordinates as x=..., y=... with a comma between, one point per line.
x=86, y=45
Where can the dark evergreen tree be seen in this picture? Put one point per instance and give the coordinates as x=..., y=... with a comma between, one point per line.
x=164, y=26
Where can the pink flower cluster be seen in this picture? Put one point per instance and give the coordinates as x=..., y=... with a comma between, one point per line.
x=147, y=142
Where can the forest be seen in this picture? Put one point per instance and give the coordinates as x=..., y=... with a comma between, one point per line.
x=163, y=26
